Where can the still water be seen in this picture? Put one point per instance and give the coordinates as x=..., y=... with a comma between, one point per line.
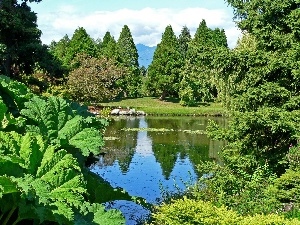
x=152, y=156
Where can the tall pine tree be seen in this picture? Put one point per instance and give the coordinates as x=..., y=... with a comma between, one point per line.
x=164, y=72
x=128, y=57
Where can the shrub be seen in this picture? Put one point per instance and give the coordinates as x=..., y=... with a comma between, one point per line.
x=187, y=211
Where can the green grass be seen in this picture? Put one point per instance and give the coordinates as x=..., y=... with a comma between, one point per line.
x=170, y=106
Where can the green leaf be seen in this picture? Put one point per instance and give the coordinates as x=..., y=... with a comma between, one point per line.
x=99, y=215
x=88, y=140
x=7, y=186
x=58, y=123
x=31, y=151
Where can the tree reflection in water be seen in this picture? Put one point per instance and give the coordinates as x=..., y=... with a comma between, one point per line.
x=148, y=163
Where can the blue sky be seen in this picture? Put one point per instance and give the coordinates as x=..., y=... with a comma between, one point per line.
x=146, y=19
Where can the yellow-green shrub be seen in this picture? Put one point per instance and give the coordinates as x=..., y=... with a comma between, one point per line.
x=271, y=219
x=187, y=211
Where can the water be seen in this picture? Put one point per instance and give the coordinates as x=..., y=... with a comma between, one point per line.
x=157, y=158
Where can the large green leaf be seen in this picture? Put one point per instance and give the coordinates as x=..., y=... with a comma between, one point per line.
x=50, y=185
x=99, y=215
x=3, y=110
x=59, y=124
x=88, y=140
x=14, y=94
x=7, y=186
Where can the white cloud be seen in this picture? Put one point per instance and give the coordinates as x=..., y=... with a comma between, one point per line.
x=146, y=25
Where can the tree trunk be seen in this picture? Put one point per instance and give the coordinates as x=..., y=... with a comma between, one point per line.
x=163, y=96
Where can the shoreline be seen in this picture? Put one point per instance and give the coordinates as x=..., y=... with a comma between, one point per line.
x=153, y=107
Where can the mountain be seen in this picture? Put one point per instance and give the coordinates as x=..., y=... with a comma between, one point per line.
x=145, y=54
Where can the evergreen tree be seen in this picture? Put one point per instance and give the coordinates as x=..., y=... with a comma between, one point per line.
x=198, y=73
x=184, y=40
x=109, y=46
x=128, y=57
x=164, y=72
x=59, y=50
x=80, y=42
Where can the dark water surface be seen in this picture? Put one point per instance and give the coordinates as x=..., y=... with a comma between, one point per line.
x=157, y=158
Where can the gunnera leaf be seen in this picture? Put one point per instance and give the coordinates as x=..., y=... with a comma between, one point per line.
x=98, y=215
x=14, y=94
x=60, y=125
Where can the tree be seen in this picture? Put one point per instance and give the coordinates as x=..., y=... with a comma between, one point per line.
x=59, y=50
x=109, y=46
x=184, y=40
x=164, y=72
x=95, y=79
x=81, y=42
x=20, y=37
x=128, y=57
x=198, y=73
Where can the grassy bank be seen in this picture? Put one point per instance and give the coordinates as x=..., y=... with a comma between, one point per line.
x=170, y=106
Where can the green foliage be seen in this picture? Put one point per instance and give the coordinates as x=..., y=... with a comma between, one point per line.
x=108, y=46
x=163, y=76
x=43, y=183
x=187, y=211
x=244, y=192
x=271, y=219
x=59, y=124
x=20, y=36
x=274, y=22
x=14, y=94
x=42, y=177
x=80, y=43
x=264, y=136
x=197, y=84
x=59, y=51
x=184, y=40
x=95, y=80
x=128, y=57
x=268, y=94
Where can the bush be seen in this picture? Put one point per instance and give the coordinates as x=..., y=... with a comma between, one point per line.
x=187, y=211
x=271, y=219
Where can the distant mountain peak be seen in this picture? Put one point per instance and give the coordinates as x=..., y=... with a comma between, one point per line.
x=145, y=54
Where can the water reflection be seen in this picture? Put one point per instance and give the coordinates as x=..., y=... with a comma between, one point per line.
x=147, y=164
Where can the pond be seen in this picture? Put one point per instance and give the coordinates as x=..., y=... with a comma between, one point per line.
x=152, y=156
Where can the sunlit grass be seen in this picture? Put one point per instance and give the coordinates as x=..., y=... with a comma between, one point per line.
x=170, y=106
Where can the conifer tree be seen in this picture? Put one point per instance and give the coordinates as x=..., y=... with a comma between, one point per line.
x=109, y=46
x=198, y=74
x=184, y=39
x=128, y=57
x=81, y=42
x=164, y=71
x=59, y=49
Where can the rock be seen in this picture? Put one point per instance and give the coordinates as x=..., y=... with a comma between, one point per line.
x=140, y=113
x=127, y=112
x=123, y=112
x=115, y=112
x=131, y=112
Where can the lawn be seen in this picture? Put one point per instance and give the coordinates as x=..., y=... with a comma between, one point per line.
x=170, y=106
